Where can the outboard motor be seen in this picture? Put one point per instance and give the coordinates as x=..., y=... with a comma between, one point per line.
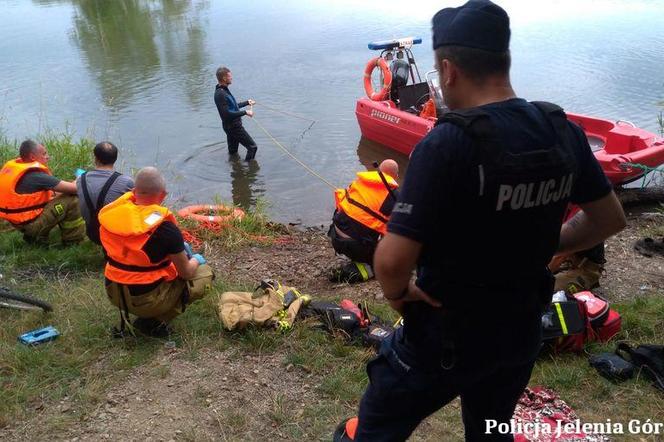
x=400, y=71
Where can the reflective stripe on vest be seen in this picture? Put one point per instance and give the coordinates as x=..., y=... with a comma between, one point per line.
x=125, y=227
x=18, y=208
x=364, y=198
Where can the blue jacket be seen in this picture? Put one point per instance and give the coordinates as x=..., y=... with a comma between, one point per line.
x=229, y=109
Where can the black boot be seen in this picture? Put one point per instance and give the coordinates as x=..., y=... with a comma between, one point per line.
x=152, y=327
x=352, y=272
x=251, y=153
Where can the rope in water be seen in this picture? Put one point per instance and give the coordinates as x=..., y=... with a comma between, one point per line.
x=294, y=115
x=290, y=114
x=296, y=159
x=647, y=170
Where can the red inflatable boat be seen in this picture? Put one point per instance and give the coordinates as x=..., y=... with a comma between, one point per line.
x=404, y=109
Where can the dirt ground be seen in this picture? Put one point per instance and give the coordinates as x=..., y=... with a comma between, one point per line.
x=627, y=273
x=173, y=398
x=302, y=258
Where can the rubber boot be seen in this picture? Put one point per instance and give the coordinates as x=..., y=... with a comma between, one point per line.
x=345, y=431
x=251, y=153
x=352, y=272
x=152, y=327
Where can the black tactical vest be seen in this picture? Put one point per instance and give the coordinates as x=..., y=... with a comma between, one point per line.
x=509, y=209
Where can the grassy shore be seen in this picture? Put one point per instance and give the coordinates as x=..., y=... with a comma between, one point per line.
x=66, y=154
x=85, y=362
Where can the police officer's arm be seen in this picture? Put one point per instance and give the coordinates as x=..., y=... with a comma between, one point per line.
x=186, y=267
x=601, y=214
x=415, y=219
x=66, y=187
x=597, y=221
x=394, y=261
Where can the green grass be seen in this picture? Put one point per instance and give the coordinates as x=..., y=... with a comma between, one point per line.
x=66, y=155
x=17, y=255
x=84, y=362
x=253, y=228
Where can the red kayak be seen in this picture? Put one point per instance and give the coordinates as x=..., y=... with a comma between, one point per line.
x=404, y=110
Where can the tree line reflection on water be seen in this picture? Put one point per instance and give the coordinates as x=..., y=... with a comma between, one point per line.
x=133, y=46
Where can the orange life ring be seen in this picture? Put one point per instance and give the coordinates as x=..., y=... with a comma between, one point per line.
x=194, y=212
x=387, y=79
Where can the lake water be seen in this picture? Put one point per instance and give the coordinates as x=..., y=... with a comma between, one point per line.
x=141, y=73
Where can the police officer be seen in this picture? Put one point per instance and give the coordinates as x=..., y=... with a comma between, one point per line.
x=480, y=215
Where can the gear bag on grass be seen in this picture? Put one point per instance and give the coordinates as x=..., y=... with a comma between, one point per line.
x=605, y=323
x=584, y=317
x=271, y=304
x=354, y=322
x=612, y=366
x=647, y=357
x=597, y=308
x=564, y=326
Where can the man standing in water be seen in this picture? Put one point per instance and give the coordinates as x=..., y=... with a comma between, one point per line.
x=231, y=115
x=479, y=214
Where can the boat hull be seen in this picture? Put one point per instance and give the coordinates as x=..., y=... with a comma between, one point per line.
x=616, y=145
x=382, y=122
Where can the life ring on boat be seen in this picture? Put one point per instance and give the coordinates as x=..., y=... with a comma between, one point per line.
x=387, y=79
x=197, y=213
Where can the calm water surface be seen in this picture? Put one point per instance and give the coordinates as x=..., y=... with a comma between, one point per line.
x=141, y=73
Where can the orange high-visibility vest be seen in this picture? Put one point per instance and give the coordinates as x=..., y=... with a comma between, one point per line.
x=364, y=198
x=125, y=227
x=19, y=208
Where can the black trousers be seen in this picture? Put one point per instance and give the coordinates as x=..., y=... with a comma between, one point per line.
x=400, y=396
x=356, y=250
x=236, y=135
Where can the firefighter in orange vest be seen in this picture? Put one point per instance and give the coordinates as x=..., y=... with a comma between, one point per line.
x=150, y=272
x=34, y=201
x=360, y=219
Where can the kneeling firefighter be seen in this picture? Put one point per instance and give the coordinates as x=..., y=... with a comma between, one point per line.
x=149, y=271
x=360, y=219
x=34, y=202
x=581, y=270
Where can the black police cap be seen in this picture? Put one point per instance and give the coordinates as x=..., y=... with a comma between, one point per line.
x=479, y=24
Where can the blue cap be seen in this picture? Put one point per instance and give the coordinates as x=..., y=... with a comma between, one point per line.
x=479, y=24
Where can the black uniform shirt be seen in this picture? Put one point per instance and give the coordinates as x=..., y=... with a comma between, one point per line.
x=428, y=212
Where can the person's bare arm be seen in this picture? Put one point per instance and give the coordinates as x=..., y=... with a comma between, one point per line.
x=394, y=261
x=186, y=267
x=597, y=221
x=66, y=187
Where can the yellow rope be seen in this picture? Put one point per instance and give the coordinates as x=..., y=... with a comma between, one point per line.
x=274, y=109
x=282, y=147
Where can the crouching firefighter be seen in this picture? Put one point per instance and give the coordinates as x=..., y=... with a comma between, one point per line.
x=581, y=270
x=149, y=273
x=35, y=202
x=360, y=219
